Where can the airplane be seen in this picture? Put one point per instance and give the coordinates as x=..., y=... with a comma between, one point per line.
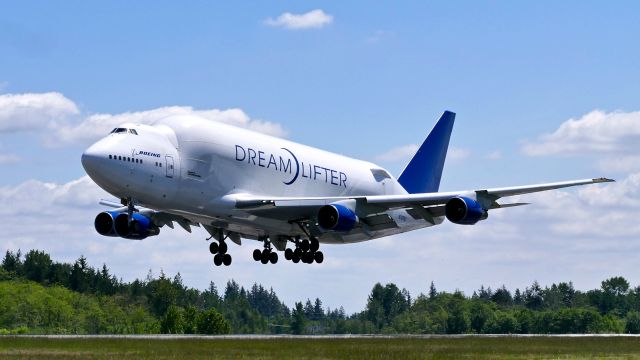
x=239, y=184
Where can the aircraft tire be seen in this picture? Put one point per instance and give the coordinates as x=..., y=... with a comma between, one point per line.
x=304, y=245
x=217, y=260
x=295, y=258
x=222, y=248
x=315, y=245
x=273, y=258
x=318, y=257
x=307, y=258
x=297, y=252
x=213, y=247
x=288, y=254
x=226, y=259
x=257, y=254
x=264, y=257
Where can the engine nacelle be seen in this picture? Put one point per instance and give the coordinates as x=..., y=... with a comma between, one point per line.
x=139, y=228
x=464, y=211
x=337, y=217
x=104, y=223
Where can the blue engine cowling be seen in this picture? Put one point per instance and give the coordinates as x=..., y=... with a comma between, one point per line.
x=337, y=217
x=104, y=223
x=139, y=228
x=464, y=211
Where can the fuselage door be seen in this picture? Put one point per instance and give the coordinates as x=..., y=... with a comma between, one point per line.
x=169, y=165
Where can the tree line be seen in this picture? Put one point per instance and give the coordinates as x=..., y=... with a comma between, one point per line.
x=39, y=295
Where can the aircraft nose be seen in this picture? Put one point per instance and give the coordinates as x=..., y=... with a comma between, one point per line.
x=91, y=158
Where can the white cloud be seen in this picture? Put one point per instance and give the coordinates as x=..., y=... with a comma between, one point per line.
x=597, y=131
x=456, y=153
x=563, y=235
x=620, y=163
x=377, y=36
x=64, y=124
x=9, y=159
x=494, y=155
x=314, y=19
x=406, y=152
x=96, y=126
x=32, y=112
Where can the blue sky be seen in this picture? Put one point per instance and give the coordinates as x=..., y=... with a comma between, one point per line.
x=368, y=83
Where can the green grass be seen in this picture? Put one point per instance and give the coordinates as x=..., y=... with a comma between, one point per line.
x=344, y=348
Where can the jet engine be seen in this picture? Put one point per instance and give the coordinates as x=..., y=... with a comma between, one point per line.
x=114, y=223
x=336, y=217
x=464, y=211
x=104, y=223
x=139, y=228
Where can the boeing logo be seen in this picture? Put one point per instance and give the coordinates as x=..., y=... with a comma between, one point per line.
x=147, y=153
x=290, y=164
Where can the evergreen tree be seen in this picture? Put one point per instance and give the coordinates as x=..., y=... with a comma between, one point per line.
x=298, y=321
x=432, y=291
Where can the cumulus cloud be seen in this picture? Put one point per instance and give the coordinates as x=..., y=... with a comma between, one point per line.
x=560, y=237
x=65, y=124
x=9, y=159
x=597, y=131
x=95, y=126
x=406, y=152
x=314, y=19
x=33, y=112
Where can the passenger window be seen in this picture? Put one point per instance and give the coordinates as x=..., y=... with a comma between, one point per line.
x=119, y=157
x=109, y=157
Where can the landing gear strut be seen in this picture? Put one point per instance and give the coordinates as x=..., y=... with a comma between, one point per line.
x=267, y=255
x=219, y=250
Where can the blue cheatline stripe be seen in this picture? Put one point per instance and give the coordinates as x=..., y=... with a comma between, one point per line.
x=423, y=173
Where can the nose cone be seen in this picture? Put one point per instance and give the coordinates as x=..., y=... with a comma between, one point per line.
x=91, y=159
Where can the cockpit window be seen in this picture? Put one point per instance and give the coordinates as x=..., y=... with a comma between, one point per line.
x=133, y=131
x=118, y=131
x=380, y=174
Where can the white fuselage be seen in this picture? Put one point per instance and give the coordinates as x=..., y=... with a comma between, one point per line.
x=191, y=167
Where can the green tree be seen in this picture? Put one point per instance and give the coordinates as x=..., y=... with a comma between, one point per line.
x=212, y=322
x=480, y=313
x=172, y=322
x=632, y=323
x=36, y=265
x=298, y=321
x=190, y=315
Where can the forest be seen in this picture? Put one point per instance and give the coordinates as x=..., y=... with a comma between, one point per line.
x=42, y=296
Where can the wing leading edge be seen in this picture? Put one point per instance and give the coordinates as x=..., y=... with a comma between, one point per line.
x=292, y=208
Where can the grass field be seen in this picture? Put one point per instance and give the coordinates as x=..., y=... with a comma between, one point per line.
x=324, y=348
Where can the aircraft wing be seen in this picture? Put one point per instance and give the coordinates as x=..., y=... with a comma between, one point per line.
x=300, y=208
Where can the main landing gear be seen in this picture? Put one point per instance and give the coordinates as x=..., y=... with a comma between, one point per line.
x=219, y=250
x=267, y=255
x=306, y=250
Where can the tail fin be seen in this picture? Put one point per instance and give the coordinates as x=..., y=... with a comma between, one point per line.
x=423, y=173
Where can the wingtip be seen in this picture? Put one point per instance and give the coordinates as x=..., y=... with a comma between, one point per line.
x=603, y=180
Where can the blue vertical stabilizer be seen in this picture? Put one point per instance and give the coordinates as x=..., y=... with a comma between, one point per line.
x=423, y=173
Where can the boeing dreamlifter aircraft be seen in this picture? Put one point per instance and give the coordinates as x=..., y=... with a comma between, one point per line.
x=238, y=184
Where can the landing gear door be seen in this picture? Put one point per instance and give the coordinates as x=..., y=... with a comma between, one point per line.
x=169, y=165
